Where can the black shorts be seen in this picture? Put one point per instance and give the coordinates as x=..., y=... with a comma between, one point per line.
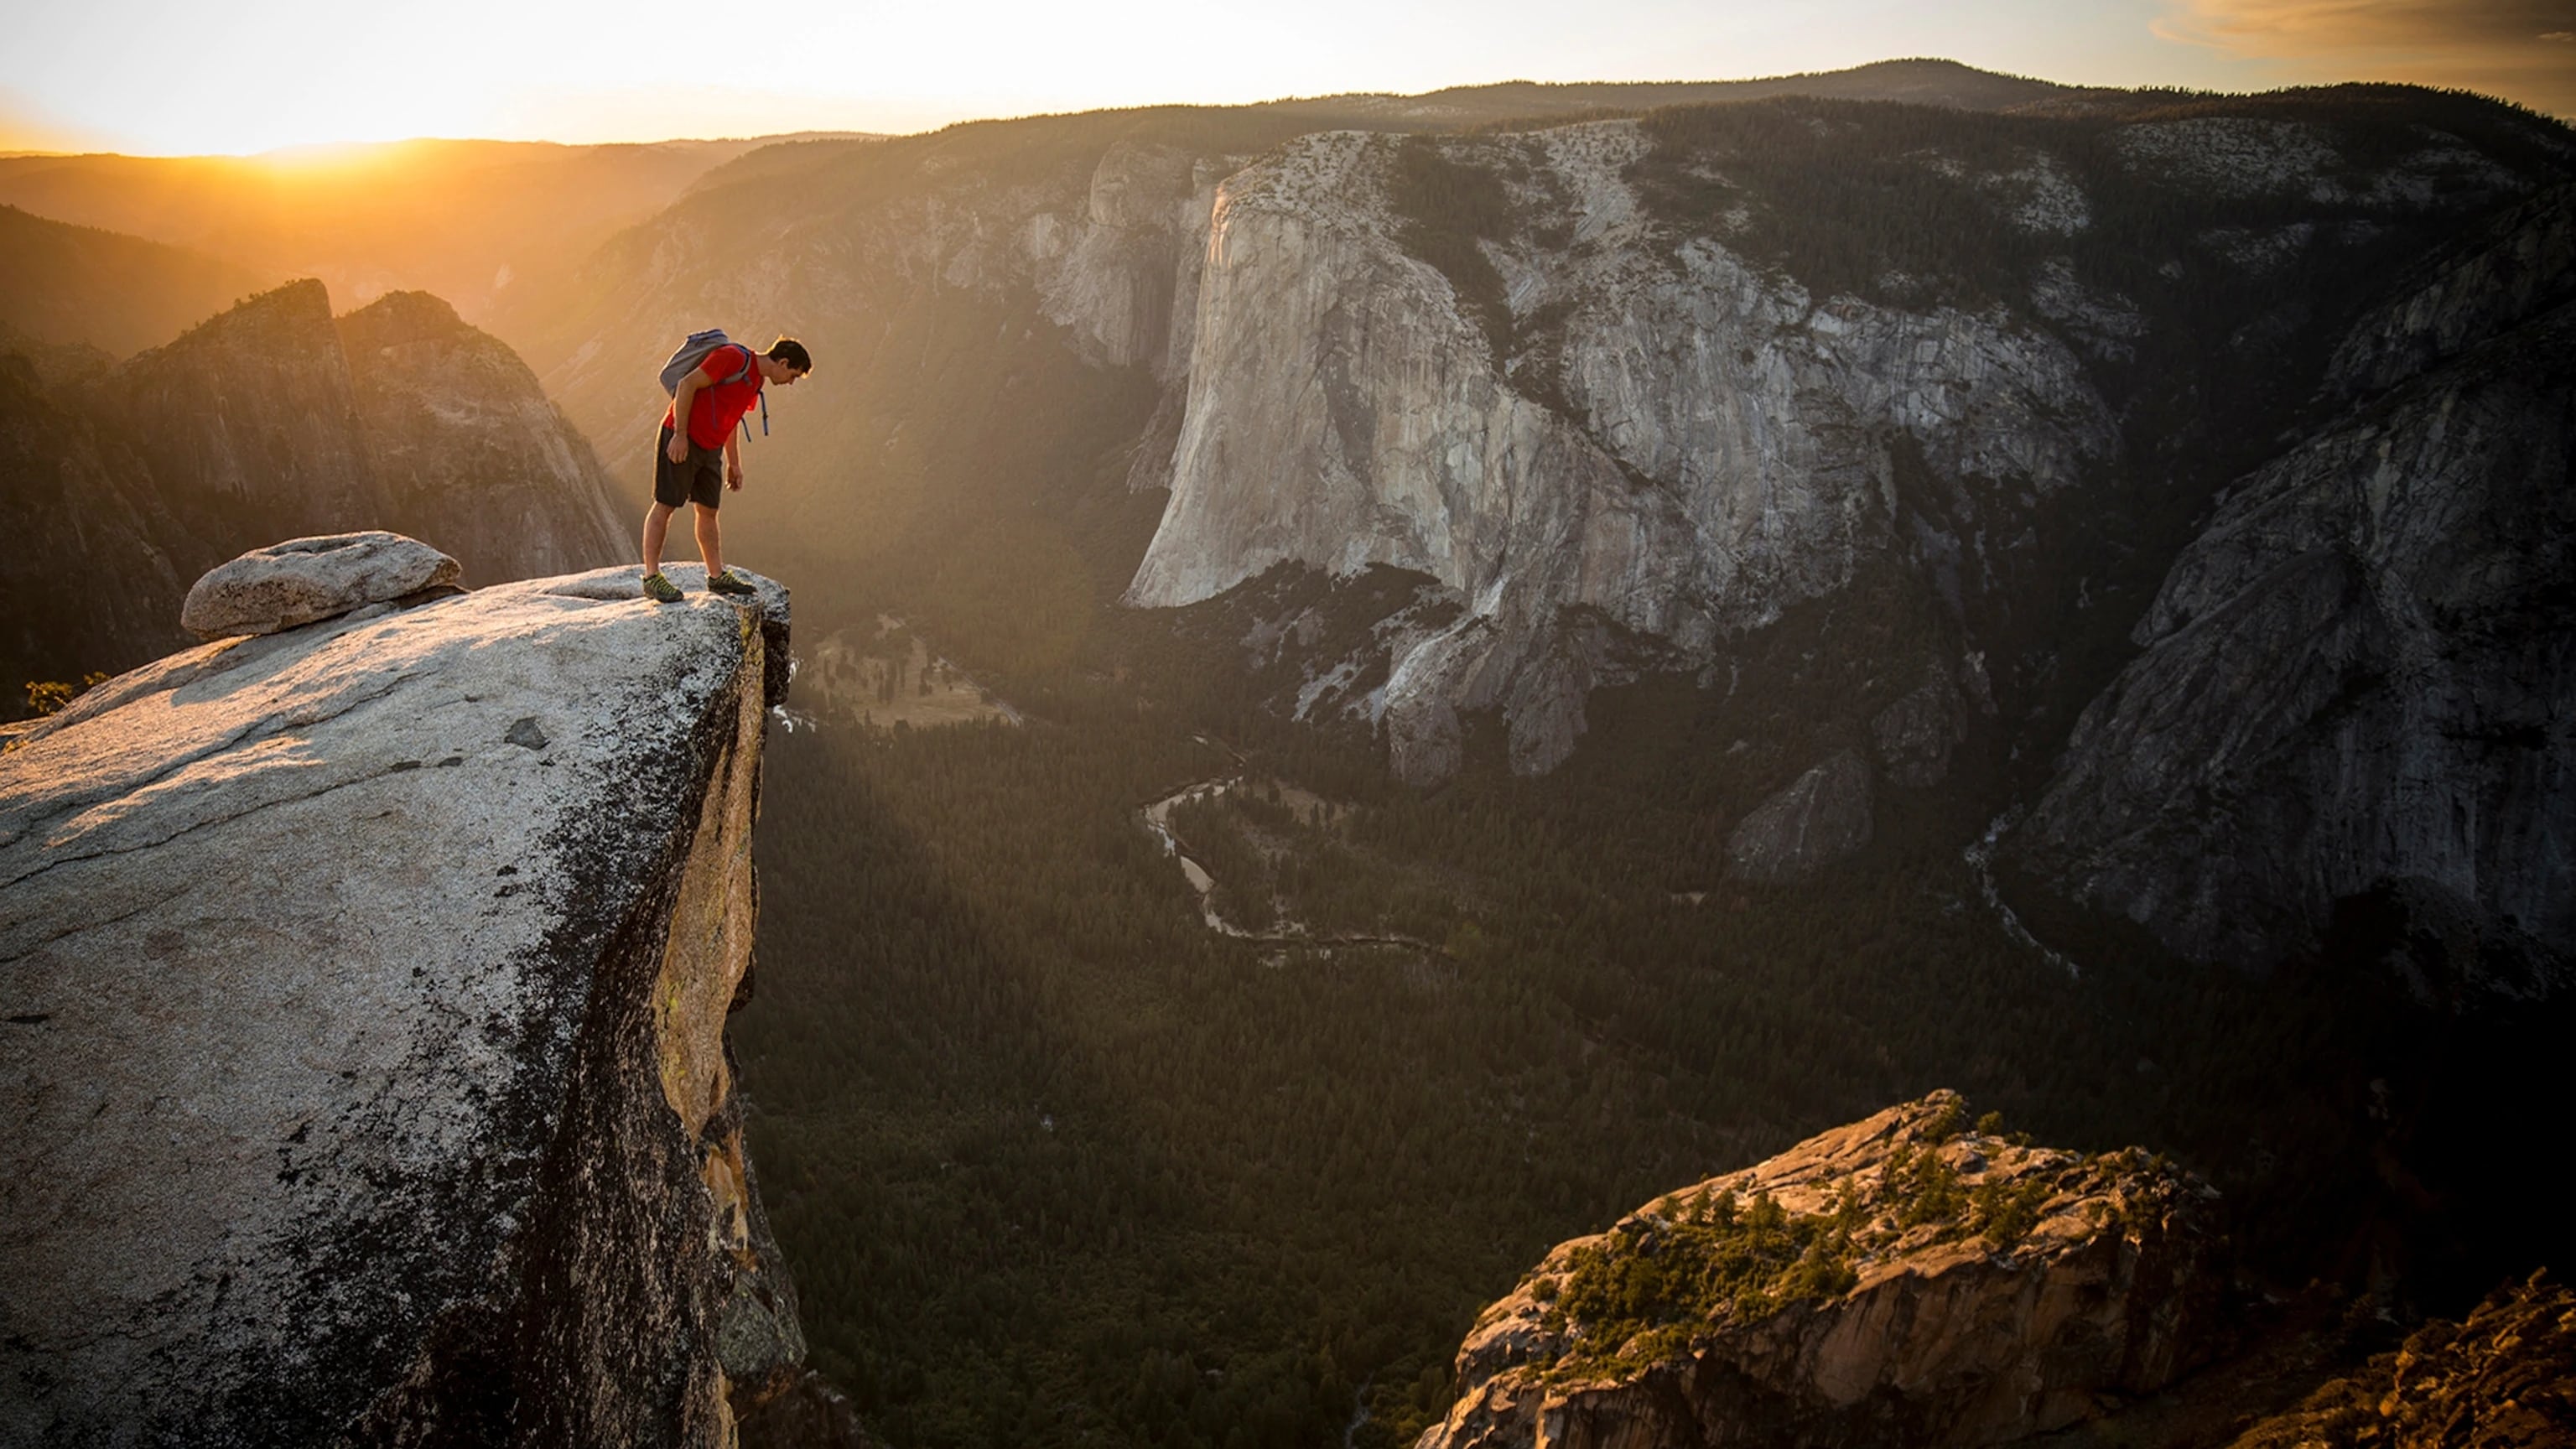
x=699, y=480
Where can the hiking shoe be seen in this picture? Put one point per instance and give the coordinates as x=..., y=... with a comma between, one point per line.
x=661, y=590
x=730, y=582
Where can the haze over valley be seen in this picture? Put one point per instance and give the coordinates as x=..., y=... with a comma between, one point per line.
x=1879, y=756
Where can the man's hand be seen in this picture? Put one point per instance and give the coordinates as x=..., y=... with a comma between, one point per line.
x=733, y=474
x=679, y=449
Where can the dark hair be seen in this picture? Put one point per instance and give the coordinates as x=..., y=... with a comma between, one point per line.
x=792, y=352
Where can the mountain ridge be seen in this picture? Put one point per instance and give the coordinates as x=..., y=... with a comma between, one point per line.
x=275, y=420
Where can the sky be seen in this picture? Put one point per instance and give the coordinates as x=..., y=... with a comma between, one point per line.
x=175, y=77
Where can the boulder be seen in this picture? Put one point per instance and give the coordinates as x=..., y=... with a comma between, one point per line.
x=1821, y=817
x=364, y=991
x=1897, y=1281
x=302, y=580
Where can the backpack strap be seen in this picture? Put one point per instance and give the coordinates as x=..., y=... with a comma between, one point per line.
x=750, y=360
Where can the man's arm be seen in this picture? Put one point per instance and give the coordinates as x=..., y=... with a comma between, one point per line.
x=681, y=402
x=733, y=459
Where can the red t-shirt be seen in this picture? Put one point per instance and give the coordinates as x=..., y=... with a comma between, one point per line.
x=720, y=404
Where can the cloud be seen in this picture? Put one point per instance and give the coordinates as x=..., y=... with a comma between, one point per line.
x=2523, y=50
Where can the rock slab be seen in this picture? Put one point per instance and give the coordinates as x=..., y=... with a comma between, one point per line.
x=364, y=990
x=302, y=580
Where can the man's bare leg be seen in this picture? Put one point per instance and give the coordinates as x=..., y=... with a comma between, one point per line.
x=710, y=540
x=657, y=527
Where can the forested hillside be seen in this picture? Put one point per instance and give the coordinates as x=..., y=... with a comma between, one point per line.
x=1058, y=1163
x=77, y=285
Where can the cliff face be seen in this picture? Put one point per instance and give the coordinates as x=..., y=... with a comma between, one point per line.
x=1719, y=447
x=2360, y=677
x=78, y=506
x=468, y=449
x=1895, y=1281
x=366, y=987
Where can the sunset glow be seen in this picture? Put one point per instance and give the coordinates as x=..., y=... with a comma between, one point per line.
x=143, y=76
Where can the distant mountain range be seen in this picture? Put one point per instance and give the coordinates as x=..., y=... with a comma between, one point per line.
x=467, y=220
x=1893, y=392
x=77, y=285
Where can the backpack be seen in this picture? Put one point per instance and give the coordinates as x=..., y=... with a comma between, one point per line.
x=693, y=353
x=695, y=349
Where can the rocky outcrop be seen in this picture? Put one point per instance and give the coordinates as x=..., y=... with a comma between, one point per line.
x=305, y=580
x=468, y=449
x=2505, y=1378
x=1914, y=735
x=1823, y=816
x=2361, y=678
x=2523, y=265
x=1900, y=1280
x=365, y=987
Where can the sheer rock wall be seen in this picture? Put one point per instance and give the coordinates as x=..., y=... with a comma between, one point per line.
x=2361, y=676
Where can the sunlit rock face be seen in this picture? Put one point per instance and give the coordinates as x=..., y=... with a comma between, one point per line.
x=1720, y=445
x=2361, y=678
x=365, y=987
x=1965, y=1289
x=1108, y=273
x=2496, y=1380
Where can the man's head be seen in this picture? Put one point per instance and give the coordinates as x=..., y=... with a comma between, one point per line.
x=786, y=361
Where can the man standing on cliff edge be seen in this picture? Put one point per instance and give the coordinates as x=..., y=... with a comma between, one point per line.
x=713, y=397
